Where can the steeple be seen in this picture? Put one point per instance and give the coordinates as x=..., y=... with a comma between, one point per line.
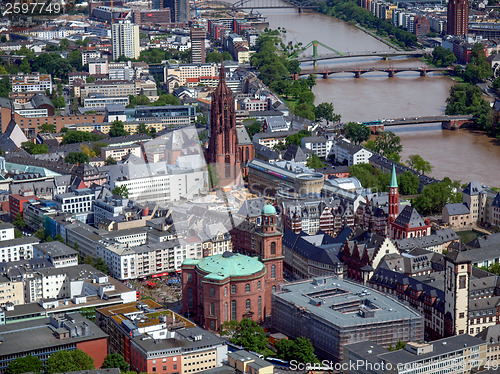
x=222, y=72
x=394, y=179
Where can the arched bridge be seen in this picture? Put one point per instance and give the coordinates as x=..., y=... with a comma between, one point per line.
x=385, y=55
x=263, y=4
x=447, y=122
x=358, y=72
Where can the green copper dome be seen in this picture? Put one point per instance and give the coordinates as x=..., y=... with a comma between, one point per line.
x=228, y=265
x=268, y=209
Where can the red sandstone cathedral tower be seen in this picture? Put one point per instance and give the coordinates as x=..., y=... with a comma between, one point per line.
x=393, y=199
x=223, y=146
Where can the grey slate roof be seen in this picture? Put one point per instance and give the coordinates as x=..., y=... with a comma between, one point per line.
x=295, y=153
x=242, y=135
x=409, y=216
x=457, y=208
x=473, y=188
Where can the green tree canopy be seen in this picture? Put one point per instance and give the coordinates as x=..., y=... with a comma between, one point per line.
x=247, y=333
x=314, y=162
x=35, y=149
x=115, y=360
x=19, y=222
x=167, y=99
x=117, y=129
x=46, y=127
x=325, y=111
x=387, y=143
x=24, y=365
x=71, y=137
x=436, y=195
x=120, y=191
x=296, y=138
x=417, y=163
x=63, y=361
x=357, y=132
x=300, y=350
x=408, y=183
x=253, y=129
x=443, y=57
x=77, y=158
x=478, y=69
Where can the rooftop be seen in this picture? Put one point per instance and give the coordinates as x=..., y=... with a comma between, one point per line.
x=227, y=265
x=344, y=303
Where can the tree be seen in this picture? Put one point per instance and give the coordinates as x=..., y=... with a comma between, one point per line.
x=436, y=195
x=115, y=360
x=280, y=147
x=417, y=163
x=325, y=111
x=100, y=265
x=443, y=57
x=120, y=191
x=408, y=183
x=314, y=162
x=249, y=334
x=63, y=361
x=35, y=149
x=357, y=132
x=296, y=138
x=213, y=176
x=110, y=161
x=19, y=222
x=300, y=350
x=117, y=129
x=141, y=129
x=388, y=143
x=97, y=146
x=46, y=127
x=77, y=158
x=253, y=129
x=24, y=365
x=478, y=69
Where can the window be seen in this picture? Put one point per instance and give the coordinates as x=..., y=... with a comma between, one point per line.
x=461, y=315
x=274, y=288
x=212, y=292
x=273, y=271
x=247, y=288
x=212, y=309
x=212, y=325
x=190, y=297
x=462, y=281
x=225, y=291
x=225, y=312
x=260, y=306
x=273, y=248
x=233, y=289
x=258, y=285
x=233, y=309
x=248, y=304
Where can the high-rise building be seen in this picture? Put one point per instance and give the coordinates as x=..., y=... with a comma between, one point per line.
x=125, y=40
x=198, y=35
x=179, y=9
x=458, y=17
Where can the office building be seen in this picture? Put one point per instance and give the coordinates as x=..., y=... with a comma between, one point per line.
x=333, y=313
x=125, y=40
x=457, y=17
x=198, y=35
x=179, y=9
x=458, y=355
x=43, y=337
x=31, y=82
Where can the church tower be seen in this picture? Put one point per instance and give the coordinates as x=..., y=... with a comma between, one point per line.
x=268, y=246
x=456, y=293
x=393, y=198
x=223, y=146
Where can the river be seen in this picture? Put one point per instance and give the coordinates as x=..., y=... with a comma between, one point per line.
x=462, y=155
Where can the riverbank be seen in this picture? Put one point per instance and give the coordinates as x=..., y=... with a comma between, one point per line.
x=380, y=39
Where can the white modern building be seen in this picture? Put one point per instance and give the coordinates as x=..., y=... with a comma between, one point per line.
x=17, y=249
x=59, y=254
x=319, y=145
x=125, y=40
x=350, y=153
x=31, y=82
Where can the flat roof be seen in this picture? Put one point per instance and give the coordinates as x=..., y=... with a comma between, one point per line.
x=55, y=249
x=327, y=300
x=27, y=336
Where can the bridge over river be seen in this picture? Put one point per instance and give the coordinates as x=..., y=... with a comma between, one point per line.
x=359, y=71
x=447, y=122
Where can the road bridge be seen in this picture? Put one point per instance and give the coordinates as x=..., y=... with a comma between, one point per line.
x=359, y=71
x=385, y=55
x=447, y=122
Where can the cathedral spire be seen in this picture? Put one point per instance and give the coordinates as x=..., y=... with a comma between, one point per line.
x=222, y=72
x=394, y=179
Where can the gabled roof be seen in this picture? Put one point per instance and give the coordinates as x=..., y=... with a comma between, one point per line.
x=457, y=208
x=295, y=153
x=409, y=216
x=458, y=257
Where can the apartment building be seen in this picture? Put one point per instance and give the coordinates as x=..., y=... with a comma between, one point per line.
x=31, y=82
x=57, y=253
x=186, y=72
x=17, y=249
x=125, y=40
x=99, y=101
x=108, y=88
